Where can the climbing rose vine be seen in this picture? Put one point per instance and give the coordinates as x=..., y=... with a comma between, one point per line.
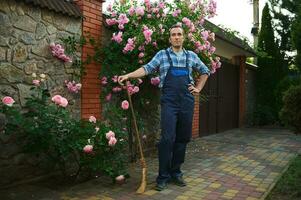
x=141, y=28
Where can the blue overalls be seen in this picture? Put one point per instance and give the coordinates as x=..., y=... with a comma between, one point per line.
x=177, y=105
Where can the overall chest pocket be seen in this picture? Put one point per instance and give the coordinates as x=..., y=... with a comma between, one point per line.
x=179, y=71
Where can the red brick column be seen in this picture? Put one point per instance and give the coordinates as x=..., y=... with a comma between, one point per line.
x=91, y=25
x=196, y=115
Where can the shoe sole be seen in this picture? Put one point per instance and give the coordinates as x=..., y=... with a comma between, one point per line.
x=181, y=185
x=160, y=189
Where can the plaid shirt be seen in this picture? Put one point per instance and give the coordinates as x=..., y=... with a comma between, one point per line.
x=160, y=61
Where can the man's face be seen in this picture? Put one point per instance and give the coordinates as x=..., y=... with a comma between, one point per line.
x=176, y=37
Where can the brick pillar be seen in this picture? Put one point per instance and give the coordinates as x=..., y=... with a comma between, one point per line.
x=91, y=25
x=196, y=115
x=241, y=62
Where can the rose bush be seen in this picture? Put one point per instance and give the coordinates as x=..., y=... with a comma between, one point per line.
x=46, y=128
x=139, y=30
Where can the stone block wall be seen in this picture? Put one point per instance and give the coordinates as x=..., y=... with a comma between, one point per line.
x=25, y=34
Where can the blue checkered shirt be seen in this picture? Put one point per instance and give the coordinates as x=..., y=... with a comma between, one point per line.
x=160, y=61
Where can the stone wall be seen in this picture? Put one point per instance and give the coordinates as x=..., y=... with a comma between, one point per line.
x=25, y=34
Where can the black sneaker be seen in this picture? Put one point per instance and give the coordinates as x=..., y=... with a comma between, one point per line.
x=179, y=181
x=161, y=186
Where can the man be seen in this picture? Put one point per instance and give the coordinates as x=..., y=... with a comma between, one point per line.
x=177, y=103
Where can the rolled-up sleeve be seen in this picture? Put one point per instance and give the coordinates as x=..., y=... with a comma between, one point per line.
x=200, y=66
x=153, y=64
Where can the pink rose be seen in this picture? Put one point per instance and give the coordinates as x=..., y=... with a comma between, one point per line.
x=147, y=34
x=140, y=11
x=131, y=11
x=8, y=101
x=136, y=89
x=125, y=105
x=88, y=148
x=141, y=55
x=92, y=119
x=115, y=79
x=56, y=99
x=59, y=100
x=212, y=49
x=110, y=134
x=112, y=141
x=155, y=81
x=111, y=22
x=108, y=97
x=116, y=89
x=104, y=80
x=205, y=35
x=64, y=102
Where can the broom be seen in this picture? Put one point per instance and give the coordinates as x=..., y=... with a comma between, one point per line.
x=142, y=187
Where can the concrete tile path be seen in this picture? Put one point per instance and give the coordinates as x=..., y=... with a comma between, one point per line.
x=240, y=164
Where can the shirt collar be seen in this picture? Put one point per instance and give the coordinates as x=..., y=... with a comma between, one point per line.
x=170, y=50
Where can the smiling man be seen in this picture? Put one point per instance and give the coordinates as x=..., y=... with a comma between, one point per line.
x=175, y=65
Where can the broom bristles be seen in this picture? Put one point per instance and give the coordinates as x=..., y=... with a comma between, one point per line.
x=142, y=187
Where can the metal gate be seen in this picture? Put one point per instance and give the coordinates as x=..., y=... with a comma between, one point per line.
x=219, y=111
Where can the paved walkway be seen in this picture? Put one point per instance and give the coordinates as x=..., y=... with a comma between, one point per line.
x=237, y=164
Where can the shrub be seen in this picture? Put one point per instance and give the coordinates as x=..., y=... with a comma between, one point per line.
x=140, y=29
x=290, y=113
x=73, y=146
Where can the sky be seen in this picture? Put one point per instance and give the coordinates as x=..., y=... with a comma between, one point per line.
x=234, y=14
x=237, y=15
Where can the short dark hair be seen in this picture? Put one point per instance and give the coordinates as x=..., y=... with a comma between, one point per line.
x=177, y=25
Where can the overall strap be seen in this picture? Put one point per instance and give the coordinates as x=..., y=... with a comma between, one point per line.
x=187, y=60
x=169, y=58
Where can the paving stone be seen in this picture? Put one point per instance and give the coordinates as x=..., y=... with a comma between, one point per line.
x=239, y=164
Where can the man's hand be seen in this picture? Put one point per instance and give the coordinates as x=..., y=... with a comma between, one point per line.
x=193, y=90
x=122, y=78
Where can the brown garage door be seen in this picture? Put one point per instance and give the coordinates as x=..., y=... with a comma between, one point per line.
x=219, y=112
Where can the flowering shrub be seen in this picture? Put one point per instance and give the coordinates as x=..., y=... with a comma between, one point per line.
x=141, y=29
x=47, y=128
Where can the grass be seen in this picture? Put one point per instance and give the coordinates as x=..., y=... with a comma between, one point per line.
x=289, y=185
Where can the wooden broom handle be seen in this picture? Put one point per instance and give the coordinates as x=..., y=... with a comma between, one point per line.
x=136, y=129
